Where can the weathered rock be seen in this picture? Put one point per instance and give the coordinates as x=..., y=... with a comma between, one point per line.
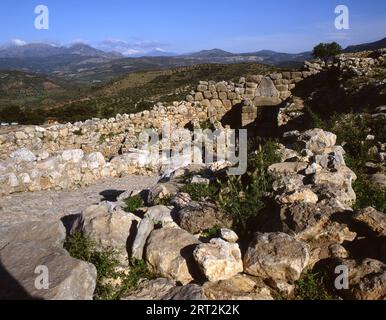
x=22, y=155
x=229, y=235
x=373, y=219
x=314, y=225
x=146, y=226
x=240, y=287
x=276, y=256
x=266, y=101
x=266, y=88
x=317, y=140
x=201, y=216
x=161, y=215
x=284, y=168
x=69, y=279
x=158, y=215
x=51, y=234
x=110, y=228
x=200, y=180
x=302, y=195
x=336, y=184
x=290, y=182
x=161, y=191
x=219, y=260
x=95, y=160
x=169, y=253
x=152, y=289
x=73, y=156
x=189, y=292
x=181, y=200
x=367, y=279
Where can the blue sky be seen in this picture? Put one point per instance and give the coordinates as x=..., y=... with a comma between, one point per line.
x=191, y=25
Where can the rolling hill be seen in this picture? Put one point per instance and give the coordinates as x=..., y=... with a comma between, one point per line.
x=367, y=46
x=133, y=92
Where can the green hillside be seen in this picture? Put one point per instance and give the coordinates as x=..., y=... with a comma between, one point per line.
x=134, y=92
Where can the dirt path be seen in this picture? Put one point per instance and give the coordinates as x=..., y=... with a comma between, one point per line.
x=47, y=205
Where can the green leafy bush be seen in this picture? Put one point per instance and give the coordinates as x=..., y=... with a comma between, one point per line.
x=200, y=191
x=134, y=203
x=243, y=196
x=108, y=271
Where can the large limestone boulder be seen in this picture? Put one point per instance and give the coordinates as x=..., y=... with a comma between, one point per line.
x=110, y=228
x=367, y=279
x=157, y=215
x=49, y=233
x=315, y=225
x=23, y=262
x=201, y=216
x=32, y=249
x=169, y=253
x=239, y=287
x=219, y=260
x=276, y=256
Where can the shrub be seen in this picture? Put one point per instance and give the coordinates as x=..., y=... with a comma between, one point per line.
x=200, y=191
x=105, y=262
x=326, y=51
x=134, y=203
x=107, y=266
x=242, y=197
x=312, y=286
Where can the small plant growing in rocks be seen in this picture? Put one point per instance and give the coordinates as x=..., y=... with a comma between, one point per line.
x=112, y=281
x=134, y=203
x=243, y=196
x=211, y=233
x=312, y=287
x=205, y=125
x=201, y=191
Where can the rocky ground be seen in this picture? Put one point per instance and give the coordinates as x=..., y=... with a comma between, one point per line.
x=305, y=211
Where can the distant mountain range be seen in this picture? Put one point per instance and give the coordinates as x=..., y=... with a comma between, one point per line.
x=83, y=63
x=43, y=50
x=367, y=46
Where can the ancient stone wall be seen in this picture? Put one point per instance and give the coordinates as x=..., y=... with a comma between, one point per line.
x=66, y=155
